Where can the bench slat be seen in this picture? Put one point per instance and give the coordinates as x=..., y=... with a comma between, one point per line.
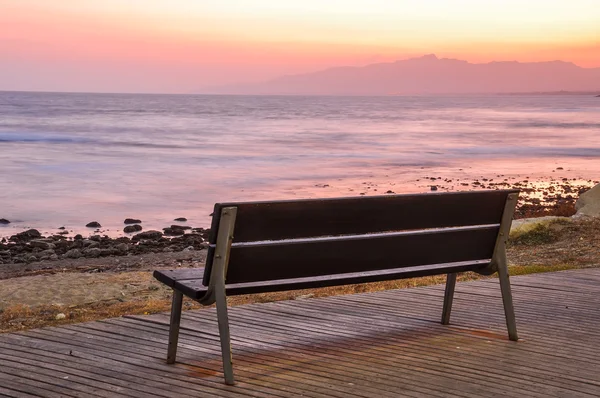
x=169, y=277
x=194, y=288
x=288, y=219
x=288, y=260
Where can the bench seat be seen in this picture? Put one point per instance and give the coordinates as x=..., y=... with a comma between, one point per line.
x=189, y=281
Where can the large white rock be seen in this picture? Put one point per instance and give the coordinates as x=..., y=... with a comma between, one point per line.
x=588, y=204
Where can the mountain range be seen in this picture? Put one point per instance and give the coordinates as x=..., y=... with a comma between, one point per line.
x=428, y=75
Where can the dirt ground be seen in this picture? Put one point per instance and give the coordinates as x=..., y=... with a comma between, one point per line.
x=65, y=291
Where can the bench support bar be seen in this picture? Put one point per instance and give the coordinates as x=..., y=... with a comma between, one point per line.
x=448, y=296
x=174, y=325
x=500, y=263
x=507, y=300
x=224, y=336
x=217, y=281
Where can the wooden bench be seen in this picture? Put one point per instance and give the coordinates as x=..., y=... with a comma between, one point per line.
x=286, y=245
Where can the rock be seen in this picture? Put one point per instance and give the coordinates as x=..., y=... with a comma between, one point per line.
x=4, y=221
x=122, y=247
x=173, y=232
x=182, y=227
x=73, y=253
x=93, y=252
x=181, y=219
x=434, y=188
x=60, y=316
x=588, y=204
x=61, y=227
x=77, y=237
x=151, y=235
x=90, y=243
x=93, y=224
x=132, y=228
x=26, y=235
x=188, y=249
x=42, y=244
x=53, y=257
x=132, y=221
x=63, y=232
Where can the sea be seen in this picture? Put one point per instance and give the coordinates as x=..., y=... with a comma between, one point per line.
x=67, y=159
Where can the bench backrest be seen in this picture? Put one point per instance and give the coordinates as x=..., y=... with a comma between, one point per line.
x=315, y=237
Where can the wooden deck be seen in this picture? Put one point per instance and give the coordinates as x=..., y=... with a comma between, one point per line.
x=385, y=344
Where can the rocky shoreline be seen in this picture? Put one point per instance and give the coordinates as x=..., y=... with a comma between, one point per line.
x=553, y=197
x=30, y=246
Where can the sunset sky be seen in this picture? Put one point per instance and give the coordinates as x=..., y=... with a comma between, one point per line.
x=184, y=45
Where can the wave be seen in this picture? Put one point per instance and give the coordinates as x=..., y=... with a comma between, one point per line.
x=59, y=139
x=556, y=125
x=51, y=139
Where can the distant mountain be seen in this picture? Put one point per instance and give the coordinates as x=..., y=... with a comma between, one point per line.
x=429, y=75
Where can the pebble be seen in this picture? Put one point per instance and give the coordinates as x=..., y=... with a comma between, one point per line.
x=60, y=316
x=93, y=224
x=181, y=219
x=132, y=221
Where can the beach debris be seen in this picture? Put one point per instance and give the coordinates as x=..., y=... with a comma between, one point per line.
x=93, y=224
x=132, y=221
x=4, y=221
x=181, y=219
x=150, y=235
x=60, y=316
x=132, y=228
x=304, y=296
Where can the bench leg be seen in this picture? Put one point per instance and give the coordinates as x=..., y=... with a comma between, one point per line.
x=222, y=318
x=174, y=326
x=448, y=296
x=509, y=311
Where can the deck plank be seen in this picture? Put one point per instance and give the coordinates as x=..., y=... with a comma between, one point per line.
x=381, y=344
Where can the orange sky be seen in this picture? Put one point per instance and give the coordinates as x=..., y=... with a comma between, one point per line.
x=183, y=45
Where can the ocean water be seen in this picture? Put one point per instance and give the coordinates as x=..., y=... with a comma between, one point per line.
x=67, y=159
